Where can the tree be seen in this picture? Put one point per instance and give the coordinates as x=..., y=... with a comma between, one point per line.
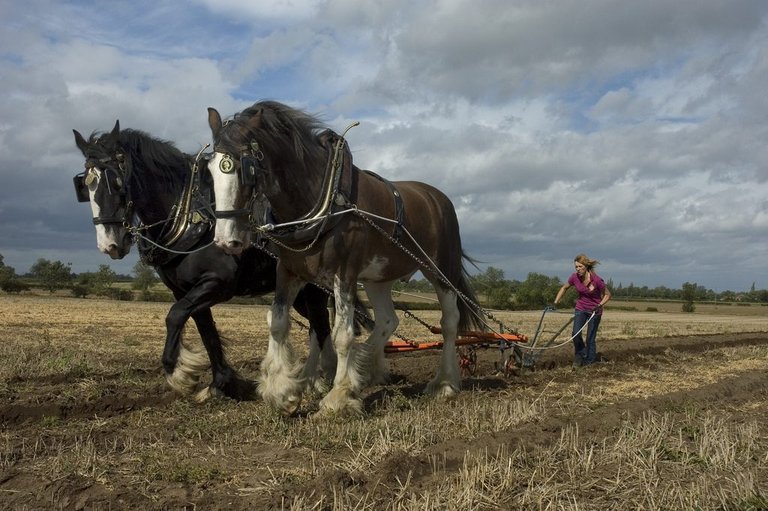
x=688, y=295
x=103, y=279
x=52, y=275
x=144, y=277
x=537, y=291
x=6, y=272
x=498, y=291
x=9, y=281
x=96, y=282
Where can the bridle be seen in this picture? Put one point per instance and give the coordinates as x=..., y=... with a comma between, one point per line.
x=113, y=168
x=251, y=169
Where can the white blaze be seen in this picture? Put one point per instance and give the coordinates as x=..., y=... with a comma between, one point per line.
x=104, y=238
x=225, y=189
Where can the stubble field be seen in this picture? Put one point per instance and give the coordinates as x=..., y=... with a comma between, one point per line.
x=675, y=419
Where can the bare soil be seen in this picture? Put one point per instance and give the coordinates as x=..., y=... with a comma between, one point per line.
x=112, y=430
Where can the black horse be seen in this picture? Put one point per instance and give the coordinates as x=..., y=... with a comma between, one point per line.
x=146, y=189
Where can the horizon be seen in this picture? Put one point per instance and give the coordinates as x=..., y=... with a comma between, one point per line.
x=418, y=277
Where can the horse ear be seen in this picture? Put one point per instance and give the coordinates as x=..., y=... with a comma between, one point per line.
x=214, y=120
x=80, y=141
x=116, y=129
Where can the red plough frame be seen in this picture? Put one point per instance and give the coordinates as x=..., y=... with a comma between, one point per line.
x=465, y=339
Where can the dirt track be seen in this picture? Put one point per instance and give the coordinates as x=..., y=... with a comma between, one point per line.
x=664, y=375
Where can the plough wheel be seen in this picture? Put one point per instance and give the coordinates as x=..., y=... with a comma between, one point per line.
x=467, y=361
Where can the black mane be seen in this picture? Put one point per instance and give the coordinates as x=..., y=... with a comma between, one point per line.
x=154, y=162
x=280, y=130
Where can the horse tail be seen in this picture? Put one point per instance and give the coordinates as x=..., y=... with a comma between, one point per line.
x=469, y=312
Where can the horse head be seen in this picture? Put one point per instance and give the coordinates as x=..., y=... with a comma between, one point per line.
x=268, y=150
x=234, y=170
x=103, y=184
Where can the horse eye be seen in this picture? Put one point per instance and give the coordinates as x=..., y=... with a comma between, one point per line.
x=118, y=182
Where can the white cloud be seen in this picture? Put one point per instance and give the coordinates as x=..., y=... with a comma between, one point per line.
x=632, y=131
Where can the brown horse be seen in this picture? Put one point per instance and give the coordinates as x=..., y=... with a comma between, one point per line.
x=336, y=225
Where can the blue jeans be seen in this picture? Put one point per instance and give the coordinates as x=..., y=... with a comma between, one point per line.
x=587, y=352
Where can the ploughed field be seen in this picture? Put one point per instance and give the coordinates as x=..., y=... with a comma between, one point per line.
x=675, y=419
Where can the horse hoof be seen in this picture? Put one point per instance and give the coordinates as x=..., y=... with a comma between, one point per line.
x=382, y=378
x=290, y=406
x=442, y=390
x=345, y=413
x=207, y=393
x=181, y=384
x=282, y=391
x=286, y=406
x=340, y=404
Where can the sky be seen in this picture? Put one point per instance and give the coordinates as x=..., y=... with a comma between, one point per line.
x=634, y=132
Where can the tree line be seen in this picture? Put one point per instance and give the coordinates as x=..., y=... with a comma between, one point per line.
x=55, y=275
x=537, y=291
x=494, y=291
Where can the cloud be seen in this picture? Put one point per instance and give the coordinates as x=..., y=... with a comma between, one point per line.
x=633, y=132
x=258, y=11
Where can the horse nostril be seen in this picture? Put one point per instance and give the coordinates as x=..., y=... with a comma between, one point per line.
x=235, y=244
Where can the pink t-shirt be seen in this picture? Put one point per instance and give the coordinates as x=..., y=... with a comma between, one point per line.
x=589, y=296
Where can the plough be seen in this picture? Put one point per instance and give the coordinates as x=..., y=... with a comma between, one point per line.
x=524, y=353
x=467, y=338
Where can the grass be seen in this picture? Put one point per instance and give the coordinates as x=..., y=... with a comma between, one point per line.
x=623, y=436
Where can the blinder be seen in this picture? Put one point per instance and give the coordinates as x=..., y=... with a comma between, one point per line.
x=250, y=165
x=81, y=189
x=248, y=168
x=83, y=180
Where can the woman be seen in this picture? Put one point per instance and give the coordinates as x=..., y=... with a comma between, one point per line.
x=593, y=294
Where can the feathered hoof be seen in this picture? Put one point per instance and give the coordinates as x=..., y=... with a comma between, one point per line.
x=239, y=389
x=190, y=366
x=181, y=382
x=285, y=406
x=317, y=386
x=283, y=395
x=206, y=393
x=383, y=378
x=442, y=390
x=340, y=403
x=379, y=373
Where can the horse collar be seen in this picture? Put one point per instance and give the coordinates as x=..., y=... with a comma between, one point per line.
x=190, y=222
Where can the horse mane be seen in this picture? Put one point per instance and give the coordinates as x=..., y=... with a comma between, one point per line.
x=155, y=162
x=285, y=131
